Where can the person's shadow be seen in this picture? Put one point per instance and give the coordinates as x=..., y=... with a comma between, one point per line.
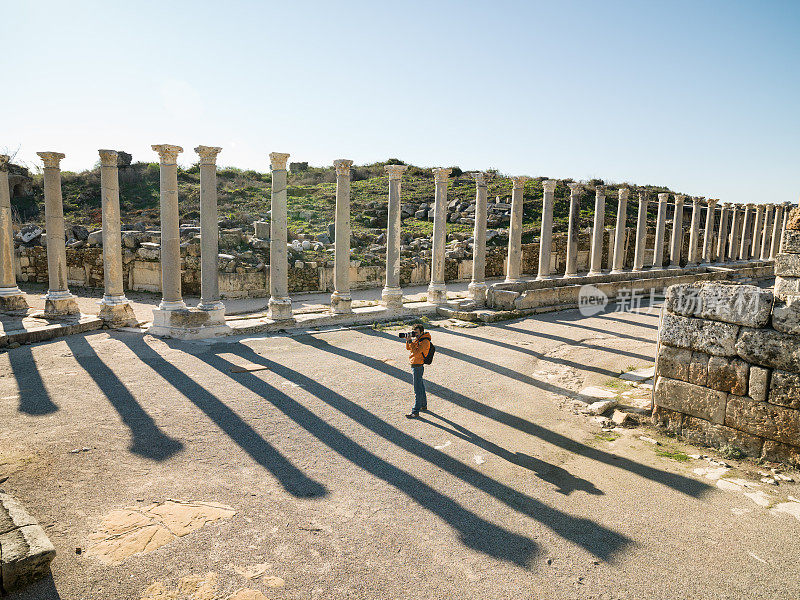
x=565, y=482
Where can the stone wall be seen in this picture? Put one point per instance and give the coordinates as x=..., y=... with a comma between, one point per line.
x=728, y=368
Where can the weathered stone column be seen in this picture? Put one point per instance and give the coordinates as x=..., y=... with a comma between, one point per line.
x=708, y=236
x=477, y=287
x=747, y=224
x=620, y=231
x=766, y=236
x=392, y=295
x=661, y=223
x=758, y=226
x=641, y=233
x=694, y=233
x=676, y=242
x=777, y=230
x=514, y=261
x=341, y=301
x=11, y=297
x=572, y=229
x=598, y=231
x=787, y=208
x=722, y=241
x=736, y=226
x=437, y=291
x=59, y=302
x=546, y=234
x=280, y=305
x=115, y=310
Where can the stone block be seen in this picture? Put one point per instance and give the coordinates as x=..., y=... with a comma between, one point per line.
x=786, y=314
x=787, y=265
x=791, y=242
x=747, y=305
x=784, y=389
x=674, y=362
x=710, y=337
x=786, y=286
x=759, y=382
x=699, y=431
x=763, y=419
x=693, y=400
x=25, y=550
x=769, y=348
x=149, y=251
x=728, y=375
x=782, y=453
x=683, y=299
x=698, y=368
x=504, y=299
x=669, y=419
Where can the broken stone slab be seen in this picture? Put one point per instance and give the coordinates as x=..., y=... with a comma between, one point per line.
x=598, y=393
x=769, y=348
x=599, y=407
x=504, y=299
x=25, y=550
x=639, y=375
x=763, y=419
x=689, y=399
x=710, y=337
x=621, y=418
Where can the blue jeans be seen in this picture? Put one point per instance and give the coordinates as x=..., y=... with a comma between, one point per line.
x=420, y=399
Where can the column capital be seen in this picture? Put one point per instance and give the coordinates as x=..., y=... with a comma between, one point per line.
x=642, y=196
x=760, y=207
x=441, y=175
x=663, y=197
x=549, y=185
x=679, y=198
x=51, y=159
x=108, y=158
x=342, y=166
x=167, y=153
x=599, y=190
x=480, y=178
x=395, y=171
x=624, y=193
x=519, y=181
x=696, y=200
x=575, y=188
x=750, y=205
x=208, y=154
x=712, y=202
x=277, y=161
x=4, y=158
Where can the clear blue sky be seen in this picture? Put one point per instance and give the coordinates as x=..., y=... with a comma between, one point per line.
x=703, y=97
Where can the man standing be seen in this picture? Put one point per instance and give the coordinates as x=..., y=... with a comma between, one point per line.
x=418, y=346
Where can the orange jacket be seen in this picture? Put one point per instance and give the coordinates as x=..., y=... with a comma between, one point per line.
x=418, y=349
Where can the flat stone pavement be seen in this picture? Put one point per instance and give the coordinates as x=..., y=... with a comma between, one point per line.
x=502, y=491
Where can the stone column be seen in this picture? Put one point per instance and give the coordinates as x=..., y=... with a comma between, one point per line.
x=573, y=229
x=341, y=302
x=280, y=305
x=787, y=208
x=758, y=226
x=546, y=233
x=437, y=291
x=694, y=233
x=747, y=223
x=777, y=229
x=722, y=242
x=598, y=230
x=11, y=297
x=171, y=297
x=735, y=239
x=641, y=233
x=392, y=295
x=676, y=243
x=477, y=287
x=708, y=236
x=59, y=302
x=514, y=261
x=115, y=310
x=766, y=236
x=619, y=232
x=661, y=223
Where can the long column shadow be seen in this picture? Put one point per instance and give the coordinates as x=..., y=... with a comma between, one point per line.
x=676, y=481
x=565, y=482
x=582, y=325
x=248, y=439
x=34, y=399
x=598, y=540
x=147, y=438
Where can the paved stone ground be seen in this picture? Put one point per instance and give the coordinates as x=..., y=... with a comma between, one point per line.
x=501, y=492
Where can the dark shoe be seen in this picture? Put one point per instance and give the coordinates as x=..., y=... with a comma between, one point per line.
x=412, y=415
x=425, y=408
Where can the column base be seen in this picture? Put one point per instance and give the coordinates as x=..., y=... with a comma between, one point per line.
x=477, y=291
x=616, y=271
x=392, y=297
x=188, y=323
x=216, y=305
x=594, y=273
x=341, y=304
x=543, y=277
x=280, y=309
x=437, y=293
x=60, y=304
x=171, y=305
x=512, y=280
x=118, y=314
x=570, y=275
x=12, y=300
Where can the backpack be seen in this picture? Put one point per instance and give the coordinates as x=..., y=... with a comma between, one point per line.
x=428, y=358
